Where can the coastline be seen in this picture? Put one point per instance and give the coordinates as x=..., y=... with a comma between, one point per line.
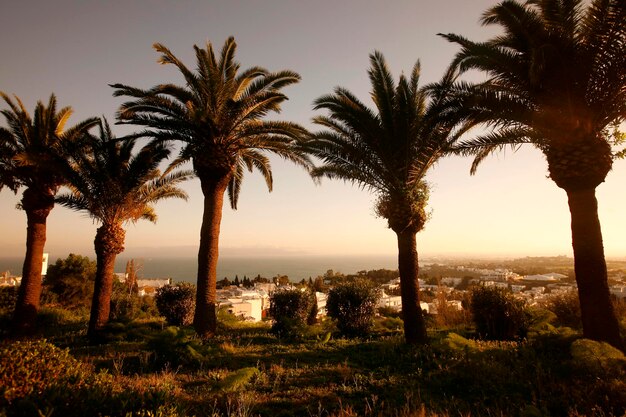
x=184, y=269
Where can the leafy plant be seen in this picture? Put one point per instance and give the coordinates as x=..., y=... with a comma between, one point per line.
x=31, y=366
x=172, y=347
x=353, y=305
x=497, y=314
x=126, y=305
x=72, y=280
x=290, y=309
x=8, y=297
x=566, y=307
x=177, y=303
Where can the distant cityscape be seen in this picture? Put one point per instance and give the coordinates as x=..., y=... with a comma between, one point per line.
x=530, y=279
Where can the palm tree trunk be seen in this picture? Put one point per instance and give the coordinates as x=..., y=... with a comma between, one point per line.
x=414, y=325
x=37, y=207
x=598, y=316
x=205, y=318
x=109, y=242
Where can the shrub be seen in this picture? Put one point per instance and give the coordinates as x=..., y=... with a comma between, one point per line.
x=126, y=305
x=353, y=305
x=177, y=303
x=497, y=314
x=290, y=309
x=8, y=298
x=597, y=356
x=566, y=307
x=172, y=347
x=72, y=280
x=29, y=367
x=37, y=378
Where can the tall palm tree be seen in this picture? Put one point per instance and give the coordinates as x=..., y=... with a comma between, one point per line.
x=29, y=152
x=218, y=118
x=556, y=80
x=389, y=150
x=116, y=186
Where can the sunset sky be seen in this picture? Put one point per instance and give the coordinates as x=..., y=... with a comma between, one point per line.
x=76, y=48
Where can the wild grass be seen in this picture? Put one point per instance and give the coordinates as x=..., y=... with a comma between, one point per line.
x=149, y=369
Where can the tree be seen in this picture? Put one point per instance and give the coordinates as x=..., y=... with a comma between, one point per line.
x=218, y=117
x=30, y=150
x=72, y=279
x=556, y=80
x=116, y=186
x=389, y=152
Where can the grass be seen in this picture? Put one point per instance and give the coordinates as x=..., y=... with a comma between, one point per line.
x=149, y=369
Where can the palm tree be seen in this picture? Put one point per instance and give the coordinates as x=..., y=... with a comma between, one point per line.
x=389, y=151
x=218, y=117
x=29, y=152
x=115, y=186
x=556, y=80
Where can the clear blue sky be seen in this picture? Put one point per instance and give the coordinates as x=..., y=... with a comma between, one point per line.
x=76, y=48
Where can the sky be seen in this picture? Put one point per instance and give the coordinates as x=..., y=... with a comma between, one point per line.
x=76, y=48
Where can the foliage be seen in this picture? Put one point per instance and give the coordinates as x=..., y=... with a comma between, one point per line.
x=448, y=316
x=566, y=307
x=28, y=367
x=177, y=303
x=497, y=314
x=290, y=309
x=152, y=372
x=172, y=347
x=8, y=297
x=127, y=305
x=597, y=355
x=238, y=379
x=353, y=305
x=72, y=280
x=37, y=378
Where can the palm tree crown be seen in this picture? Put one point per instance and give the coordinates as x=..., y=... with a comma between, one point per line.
x=218, y=115
x=30, y=147
x=557, y=79
x=114, y=185
x=389, y=151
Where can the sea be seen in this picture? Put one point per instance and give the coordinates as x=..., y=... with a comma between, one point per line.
x=295, y=267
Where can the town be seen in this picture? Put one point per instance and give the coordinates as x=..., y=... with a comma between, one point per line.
x=449, y=280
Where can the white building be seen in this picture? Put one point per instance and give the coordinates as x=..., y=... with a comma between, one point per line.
x=149, y=286
x=542, y=277
x=451, y=281
x=321, y=299
x=619, y=291
x=390, y=301
x=249, y=309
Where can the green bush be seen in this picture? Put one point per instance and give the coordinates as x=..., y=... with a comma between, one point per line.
x=566, y=307
x=126, y=305
x=173, y=348
x=72, y=280
x=498, y=315
x=30, y=367
x=177, y=303
x=290, y=309
x=8, y=298
x=353, y=305
x=37, y=378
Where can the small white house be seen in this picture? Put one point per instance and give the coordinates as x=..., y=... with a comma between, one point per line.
x=249, y=309
x=391, y=301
